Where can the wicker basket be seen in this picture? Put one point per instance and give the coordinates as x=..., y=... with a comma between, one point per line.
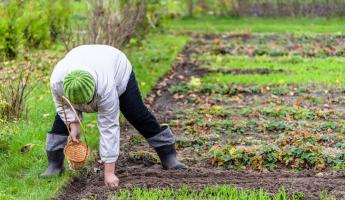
x=76, y=153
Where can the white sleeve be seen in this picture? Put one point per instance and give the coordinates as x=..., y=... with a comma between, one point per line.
x=109, y=127
x=57, y=93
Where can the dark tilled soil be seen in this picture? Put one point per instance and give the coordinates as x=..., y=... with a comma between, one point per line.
x=137, y=174
x=147, y=173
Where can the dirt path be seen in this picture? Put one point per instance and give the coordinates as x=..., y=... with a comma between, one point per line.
x=140, y=171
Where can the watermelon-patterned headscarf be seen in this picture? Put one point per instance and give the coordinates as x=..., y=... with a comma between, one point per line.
x=79, y=86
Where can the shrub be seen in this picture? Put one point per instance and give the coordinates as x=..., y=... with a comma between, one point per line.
x=31, y=24
x=59, y=12
x=10, y=34
x=108, y=24
x=13, y=91
x=35, y=25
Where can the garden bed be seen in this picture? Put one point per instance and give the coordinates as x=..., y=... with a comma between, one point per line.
x=246, y=134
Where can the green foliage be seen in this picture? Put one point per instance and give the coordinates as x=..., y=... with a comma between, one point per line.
x=228, y=88
x=34, y=25
x=277, y=126
x=296, y=150
x=59, y=12
x=31, y=24
x=327, y=126
x=10, y=32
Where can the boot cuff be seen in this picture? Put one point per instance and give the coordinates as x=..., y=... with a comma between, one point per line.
x=55, y=142
x=163, y=138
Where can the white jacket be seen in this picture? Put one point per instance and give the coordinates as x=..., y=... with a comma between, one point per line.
x=111, y=70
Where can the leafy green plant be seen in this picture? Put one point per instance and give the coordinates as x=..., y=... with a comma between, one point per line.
x=298, y=150
x=340, y=145
x=327, y=126
x=277, y=126
x=183, y=142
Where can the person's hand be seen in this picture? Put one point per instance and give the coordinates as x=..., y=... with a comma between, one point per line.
x=111, y=180
x=75, y=132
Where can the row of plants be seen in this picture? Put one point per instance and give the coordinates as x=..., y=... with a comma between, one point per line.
x=204, y=127
x=291, y=113
x=267, y=8
x=283, y=112
x=196, y=85
x=203, y=120
x=275, y=45
x=297, y=150
x=209, y=192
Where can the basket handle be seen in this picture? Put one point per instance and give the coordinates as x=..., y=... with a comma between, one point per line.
x=64, y=99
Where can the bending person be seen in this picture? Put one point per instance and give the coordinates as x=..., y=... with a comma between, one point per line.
x=99, y=78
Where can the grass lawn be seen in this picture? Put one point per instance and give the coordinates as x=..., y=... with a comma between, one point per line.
x=211, y=24
x=19, y=172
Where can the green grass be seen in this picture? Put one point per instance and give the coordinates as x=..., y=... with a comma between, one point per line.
x=19, y=172
x=297, y=70
x=226, y=24
x=154, y=58
x=211, y=192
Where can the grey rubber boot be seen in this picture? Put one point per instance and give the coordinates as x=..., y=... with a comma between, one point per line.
x=55, y=163
x=164, y=144
x=167, y=155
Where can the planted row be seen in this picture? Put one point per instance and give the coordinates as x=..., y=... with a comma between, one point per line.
x=197, y=86
x=227, y=120
x=298, y=150
x=321, y=45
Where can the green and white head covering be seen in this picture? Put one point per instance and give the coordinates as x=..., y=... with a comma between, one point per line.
x=79, y=86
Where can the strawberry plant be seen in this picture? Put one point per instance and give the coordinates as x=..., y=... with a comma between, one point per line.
x=277, y=126
x=327, y=126
x=297, y=150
